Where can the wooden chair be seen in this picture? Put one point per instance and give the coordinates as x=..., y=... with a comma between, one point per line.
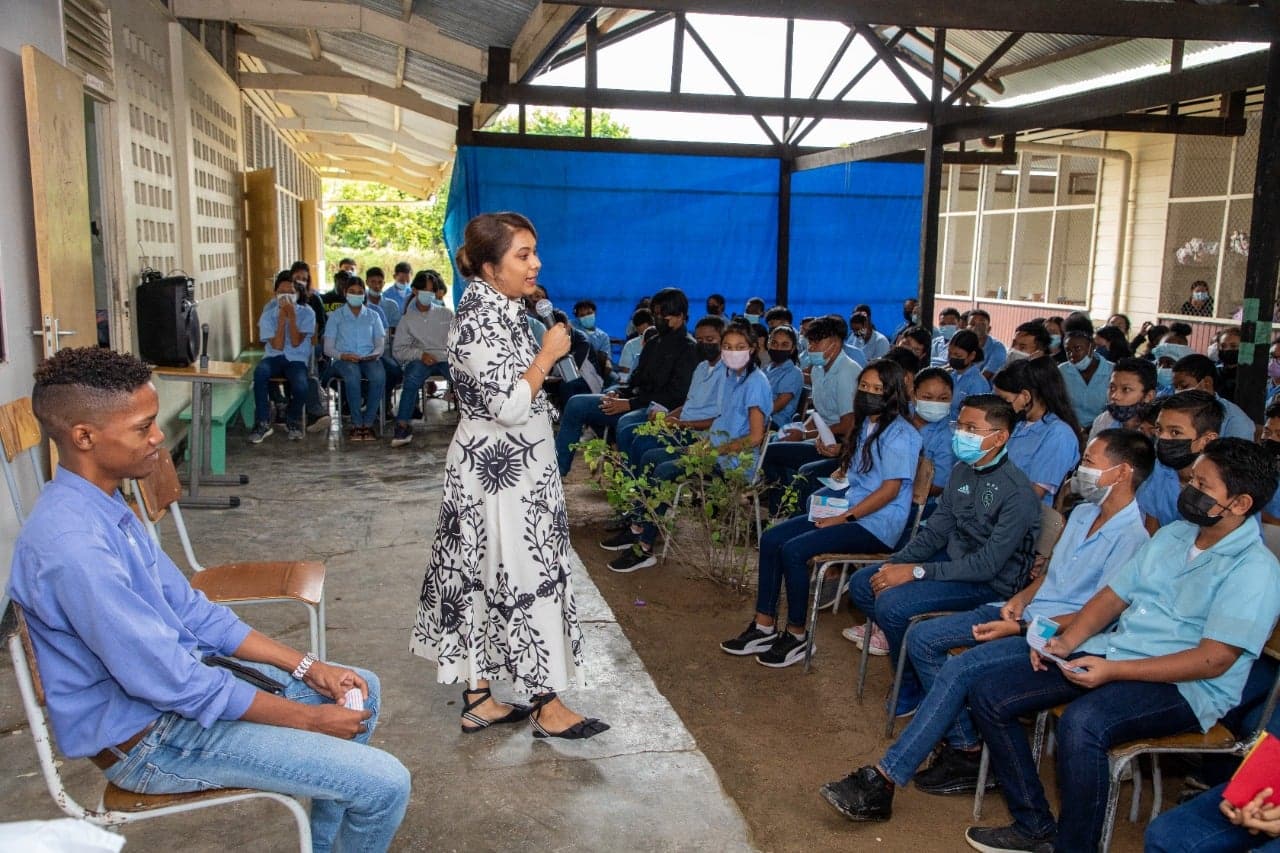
x=19, y=433
x=116, y=807
x=239, y=582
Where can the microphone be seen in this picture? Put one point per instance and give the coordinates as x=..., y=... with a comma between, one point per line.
x=565, y=367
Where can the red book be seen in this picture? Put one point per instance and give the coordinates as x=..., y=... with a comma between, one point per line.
x=1260, y=769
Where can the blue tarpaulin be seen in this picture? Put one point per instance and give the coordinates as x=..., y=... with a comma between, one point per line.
x=615, y=227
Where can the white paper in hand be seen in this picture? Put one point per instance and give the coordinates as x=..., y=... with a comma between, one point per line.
x=824, y=431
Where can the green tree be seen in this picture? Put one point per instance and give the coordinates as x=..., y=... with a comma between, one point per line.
x=399, y=226
x=572, y=122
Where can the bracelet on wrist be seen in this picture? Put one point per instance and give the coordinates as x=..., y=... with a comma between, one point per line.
x=300, y=672
x=539, y=367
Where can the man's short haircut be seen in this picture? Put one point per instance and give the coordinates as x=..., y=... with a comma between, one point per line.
x=300, y=265
x=999, y=412
x=374, y=272
x=340, y=280
x=352, y=281
x=1180, y=328
x=1197, y=365
x=778, y=312
x=404, y=267
x=717, y=297
x=1150, y=413
x=713, y=321
x=1273, y=411
x=1246, y=469
x=80, y=384
x=756, y=300
x=840, y=324
x=668, y=302
x=980, y=312
x=351, y=261
x=905, y=358
x=583, y=305
x=859, y=318
x=950, y=312
x=642, y=317
x=282, y=277
x=1203, y=408
x=938, y=373
x=1038, y=333
x=1140, y=367
x=918, y=334
x=1131, y=447
x=1078, y=321
x=825, y=327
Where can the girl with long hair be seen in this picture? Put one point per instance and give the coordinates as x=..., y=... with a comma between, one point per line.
x=1045, y=444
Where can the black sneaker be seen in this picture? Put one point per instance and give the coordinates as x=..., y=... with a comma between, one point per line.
x=635, y=559
x=403, y=435
x=862, y=795
x=752, y=641
x=785, y=650
x=954, y=771
x=613, y=525
x=1006, y=839
x=260, y=432
x=622, y=541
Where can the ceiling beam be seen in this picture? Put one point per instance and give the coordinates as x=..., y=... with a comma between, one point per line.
x=415, y=33
x=542, y=27
x=348, y=84
x=402, y=58
x=313, y=43
x=355, y=127
x=1156, y=123
x=1127, y=18
x=421, y=191
x=1088, y=47
x=355, y=151
x=871, y=149
x=406, y=9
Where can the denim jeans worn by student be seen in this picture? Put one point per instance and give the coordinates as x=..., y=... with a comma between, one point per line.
x=293, y=371
x=416, y=375
x=351, y=372
x=625, y=431
x=358, y=793
x=807, y=483
x=942, y=712
x=892, y=610
x=582, y=410
x=785, y=549
x=1197, y=826
x=1095, y=721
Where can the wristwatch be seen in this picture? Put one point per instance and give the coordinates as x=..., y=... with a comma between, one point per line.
x=918, y=573
x=304, y=666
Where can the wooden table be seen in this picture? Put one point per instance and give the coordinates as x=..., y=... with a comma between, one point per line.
x=202, y=380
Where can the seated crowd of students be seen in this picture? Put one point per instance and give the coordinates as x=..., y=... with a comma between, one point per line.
x=1161, y=586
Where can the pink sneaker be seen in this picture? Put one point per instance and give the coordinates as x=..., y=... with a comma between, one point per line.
x=879, y=643
x=854, y=634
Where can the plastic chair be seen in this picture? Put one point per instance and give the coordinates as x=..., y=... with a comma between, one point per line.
x=240, y=582
x=19, y=432
x=116, y=806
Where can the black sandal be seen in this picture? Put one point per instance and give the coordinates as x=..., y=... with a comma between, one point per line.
x=517, y=714
x=589, y=727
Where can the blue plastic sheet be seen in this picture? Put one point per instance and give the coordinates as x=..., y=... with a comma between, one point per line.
x=615, y=227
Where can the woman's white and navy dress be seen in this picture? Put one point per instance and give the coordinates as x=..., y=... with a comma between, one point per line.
x=497, y=600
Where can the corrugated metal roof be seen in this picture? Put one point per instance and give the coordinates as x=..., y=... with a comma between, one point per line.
x=481, y=23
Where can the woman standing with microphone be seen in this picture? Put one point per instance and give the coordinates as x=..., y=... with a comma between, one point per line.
x=497, y=600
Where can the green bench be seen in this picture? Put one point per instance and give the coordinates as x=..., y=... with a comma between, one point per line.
x=229, y=400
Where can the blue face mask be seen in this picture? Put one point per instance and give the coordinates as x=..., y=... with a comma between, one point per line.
x=813, y=358
x=752, y=318
x=1164, y=377
x=947, y=332
x=1055, y=341
x=355, y=300
x=425, y=298
x=967, y=447
x=588, y=321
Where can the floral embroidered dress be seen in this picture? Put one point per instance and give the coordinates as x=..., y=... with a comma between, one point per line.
x=497, y=600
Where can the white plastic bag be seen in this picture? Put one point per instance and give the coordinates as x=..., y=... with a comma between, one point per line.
x=67, y=835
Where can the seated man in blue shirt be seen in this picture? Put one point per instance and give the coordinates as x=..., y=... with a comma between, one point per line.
x=584, y=320
x=1195, y=607
x=119, y=636
x=1185, y=425
x=286, y=327
x=355, y=338
x=1199, y=371
x=1102, y=534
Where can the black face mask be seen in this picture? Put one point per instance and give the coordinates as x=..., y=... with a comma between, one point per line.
x=1175, y=453
x=1228, y=357
x=957, y=364
x=1124, y=414
x=708, y=352
x=1194, y=505
x=778, y=356
x=866, y=404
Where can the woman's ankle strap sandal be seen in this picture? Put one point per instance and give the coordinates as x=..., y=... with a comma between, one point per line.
x=517, y=713
x=581, y=730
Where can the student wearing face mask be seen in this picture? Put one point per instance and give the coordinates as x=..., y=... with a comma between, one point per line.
x=865, y=337
x=1200, y=303
x=1197, y=371
x=879, y=465
x=964, y=359
x=741, y=426
x=977, y=547
x=354, y=338
x=784, y=375
x=584, y=319
x=421, y=348
x=1185, y=425
x=1086, y=375
x=1101, y=535
x=285, y=327
x=1131, y=389
x=948, y=325
x=400, y=288
x=910, y=316
x=1228, y=359
x=1192, y=611
x=1030, y=340
x=754, y=311
x=1046, y=441
x=931, y=414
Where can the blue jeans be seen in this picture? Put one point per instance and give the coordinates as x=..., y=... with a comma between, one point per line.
x=1197, y=826
x=416, y=375
x=582, y=410
x=943, y=707
x=892, y=609
x=269, y=368
x=626, y=430
x=665, y=472
x=1093, y=722
x=358, y=793
x=351, y=372
x=782, y=463
x=785, y=549
x=929, y=647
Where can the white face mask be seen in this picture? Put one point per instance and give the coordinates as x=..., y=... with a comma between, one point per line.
x=735, y=359
x=1085, y=484
x=1015, y=355
x=932, y=410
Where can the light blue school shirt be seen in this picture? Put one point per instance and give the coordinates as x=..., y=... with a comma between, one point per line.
x=940, y=350
x=397, y=295
x=391, y=310
x=936, y=440
x=1228, y=593
x=855, y=355
x=353, y=333
x=1158, y=495
x=1087, y=399
x=703, y=400
x=1272, y=391
x=377, y=309
x=894, y=456
x=306, y=319
x=996, y=355
x=117, y=628
x=876, y=346
x=630, y=356
x=536, y=328
x=598, y=338
x=1045, y=450
x=965, y=384
x=833, y=388
x=1082, y=564
x=785, y=378
x=739, y=394
x=1235, y=423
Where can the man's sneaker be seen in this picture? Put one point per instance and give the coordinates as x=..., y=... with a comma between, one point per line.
x=295, y=432
x=635, y=559
x=260, y=432
x=621, y=541
x=954, y=771
x=752, y=641
x=1006, y=839
x=785, y=650
x=862, y=795
x=320, y=424
x=617, y=523
x=404, y=435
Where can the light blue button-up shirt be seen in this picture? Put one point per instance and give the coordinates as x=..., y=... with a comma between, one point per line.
x=1082, y=564
x=400, y=296
x=996, y=355
x=598, y=338
x=857, y=356
x=390, y=308
x=703, y=400
x=936, y=440
x=965, y=384
x=1088, y=399
x=1045, y=450
x=267, y=326
x=1158, y=495
x=894, y=456
x=630, y=356
x=833, y=388
x=1235, y=423
x=1228, y=593
x=362, y=334
x=785, y=378
x=118, y=631
x=739, y=394
x=876, y=345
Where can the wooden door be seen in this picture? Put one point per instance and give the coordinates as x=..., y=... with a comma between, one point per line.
x=60, y=194
x=262, y=229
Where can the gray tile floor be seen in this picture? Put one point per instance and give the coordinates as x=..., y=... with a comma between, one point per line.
x=368, y=511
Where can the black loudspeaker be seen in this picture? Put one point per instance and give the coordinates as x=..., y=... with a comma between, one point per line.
x=168, y=325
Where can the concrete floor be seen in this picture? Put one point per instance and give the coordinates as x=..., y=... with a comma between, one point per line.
x=368, y=511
